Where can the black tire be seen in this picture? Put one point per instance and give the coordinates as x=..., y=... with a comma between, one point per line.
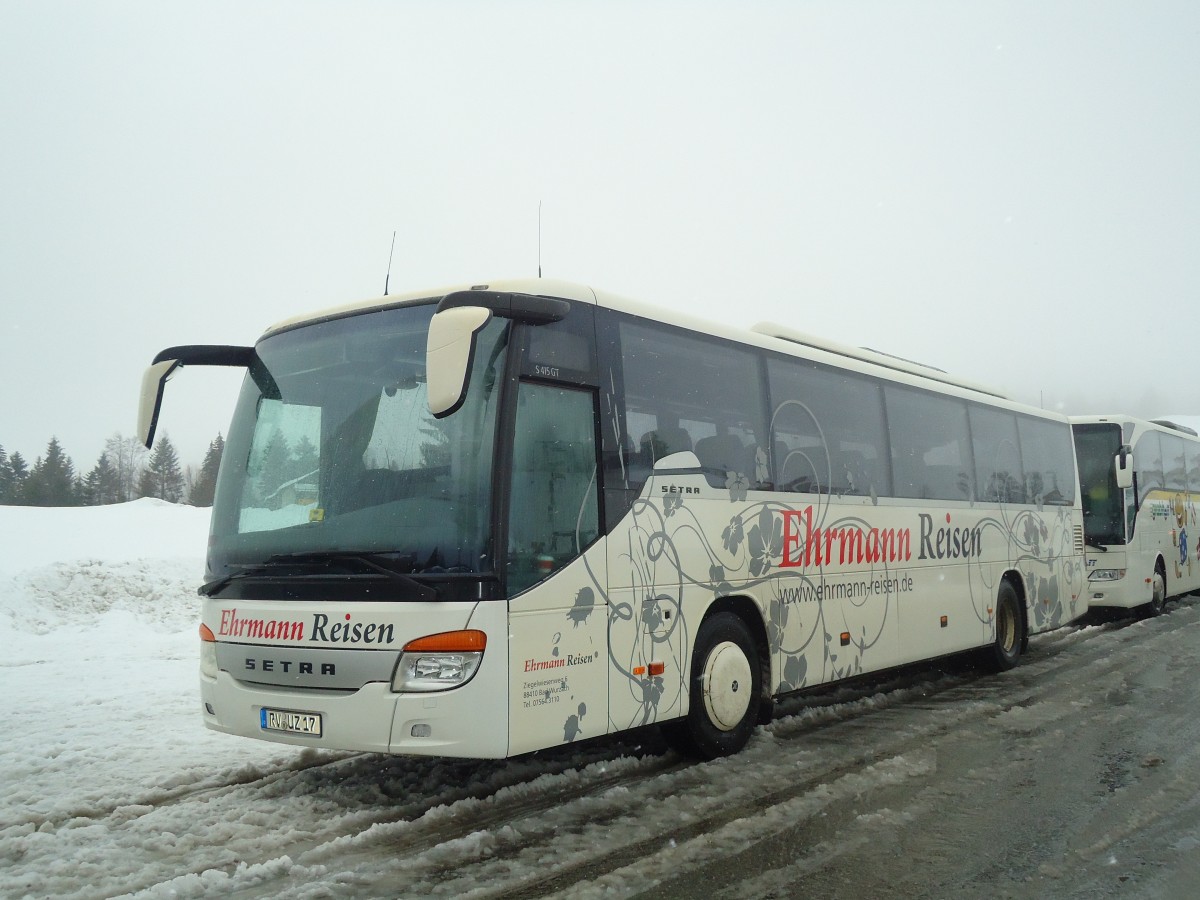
x=725, y=691
x=1158, y=597
x=1005, y=650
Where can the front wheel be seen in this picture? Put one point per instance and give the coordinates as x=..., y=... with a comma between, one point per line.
x=725, y=691
x=1158, y=597
x=1005, y=650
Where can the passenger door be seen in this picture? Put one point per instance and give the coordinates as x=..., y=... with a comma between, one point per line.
x=557, y=587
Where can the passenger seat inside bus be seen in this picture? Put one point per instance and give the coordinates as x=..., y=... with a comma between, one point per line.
x=724, y=452
x=666, y=439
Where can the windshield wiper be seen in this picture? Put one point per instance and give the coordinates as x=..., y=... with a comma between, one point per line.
x=372, y=561
x=376, y=562
x=211, y=587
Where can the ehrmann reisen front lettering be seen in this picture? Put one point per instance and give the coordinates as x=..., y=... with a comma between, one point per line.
x=320, y=629
x=233, y=625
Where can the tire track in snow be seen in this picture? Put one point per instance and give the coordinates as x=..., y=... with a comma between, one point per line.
x=436, y=823
x=956, y=702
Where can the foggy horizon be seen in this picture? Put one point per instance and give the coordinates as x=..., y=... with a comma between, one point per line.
x=1006, y=191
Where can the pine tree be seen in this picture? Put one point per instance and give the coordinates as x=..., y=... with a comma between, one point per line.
x=52, y=480
x=6, y=478
x=102, y=485
x=162, y=477
x=206, y=482
x=305, y=458
x=274, y=469
x=18, y=470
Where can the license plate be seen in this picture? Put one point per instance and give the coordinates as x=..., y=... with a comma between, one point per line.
x=290, y=722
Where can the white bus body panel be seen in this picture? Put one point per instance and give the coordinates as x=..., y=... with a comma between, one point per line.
x=1131, y=590
x=469, y=720
x=843, y=585
x=558, y=656
x=1165, y=529
x=610, y=635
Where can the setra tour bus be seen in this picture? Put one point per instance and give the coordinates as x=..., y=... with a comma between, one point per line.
x=484, y=521
x=1140, y=483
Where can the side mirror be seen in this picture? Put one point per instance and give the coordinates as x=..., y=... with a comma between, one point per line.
x=449, y=350
x=450, y=346
x=1123, y=465
x=154, y=381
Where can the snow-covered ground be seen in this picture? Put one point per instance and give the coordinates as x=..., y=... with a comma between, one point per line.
x=1072, y=775
x=98, y=695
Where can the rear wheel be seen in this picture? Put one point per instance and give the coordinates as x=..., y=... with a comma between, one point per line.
x=1005, y=649
x=725, y=691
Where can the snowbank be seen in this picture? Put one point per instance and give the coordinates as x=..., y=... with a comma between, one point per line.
x=33, y=536
x=70, y=566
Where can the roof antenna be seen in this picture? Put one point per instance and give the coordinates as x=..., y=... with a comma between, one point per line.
x=388, y=277
x=539, y=239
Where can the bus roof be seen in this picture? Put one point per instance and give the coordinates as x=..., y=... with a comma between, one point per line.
x=765, y=335
x=1170, y=426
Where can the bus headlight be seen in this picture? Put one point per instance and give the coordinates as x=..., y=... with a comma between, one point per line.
x=1106, y=574
x=439, y=662
x=208, y=652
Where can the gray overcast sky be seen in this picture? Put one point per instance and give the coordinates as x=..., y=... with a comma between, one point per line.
x=1007, y=190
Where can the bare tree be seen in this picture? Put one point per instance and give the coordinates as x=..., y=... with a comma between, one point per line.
x=127, y=457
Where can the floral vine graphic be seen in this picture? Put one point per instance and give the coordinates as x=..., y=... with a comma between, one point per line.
x=678, y=557
x=844, y=581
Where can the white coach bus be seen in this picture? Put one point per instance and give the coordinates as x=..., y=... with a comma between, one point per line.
x=1140, y=483
x=483, y=521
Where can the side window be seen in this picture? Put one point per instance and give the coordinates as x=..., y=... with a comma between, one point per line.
x=1147, y=463
x=554, y=513
x=998, y=473
x=1192, y=454
x=931, y=448
x=1049, y=456
x=1174, y=464
x=827, y=431
x=689, y=392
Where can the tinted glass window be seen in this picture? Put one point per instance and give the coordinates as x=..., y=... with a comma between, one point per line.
x=333, y=448
x=1096, y=448
x=1174, y=464
x=1192, y=454
x=563, y=350
x=1049, y=459
x=1147, y=463
x=999, y=476
x=827, y=431
x=554, y=510
x=931, y=450
x=687, y=392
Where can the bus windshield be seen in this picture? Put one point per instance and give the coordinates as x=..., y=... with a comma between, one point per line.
x=1096, y=447
x=333, y=451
